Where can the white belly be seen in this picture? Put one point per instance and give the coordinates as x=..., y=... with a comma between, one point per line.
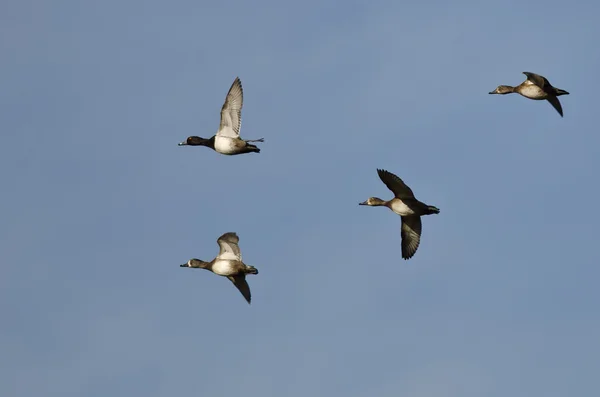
x=401, y=209
x=532, y=91
x=223, y=268
x=225, y=145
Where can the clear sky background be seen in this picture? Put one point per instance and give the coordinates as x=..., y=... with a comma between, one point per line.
x=99, y=205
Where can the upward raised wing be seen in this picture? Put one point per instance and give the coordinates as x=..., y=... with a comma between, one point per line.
x=231, y=112
x=538, y=80
x=395, y=184
x=229, y=247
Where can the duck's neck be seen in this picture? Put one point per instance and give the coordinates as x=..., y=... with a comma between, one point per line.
x=377, y=202
x=198, y=141
x=199, y=264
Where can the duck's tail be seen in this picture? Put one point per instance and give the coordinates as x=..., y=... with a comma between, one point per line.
x=250, y=148
x=251, y=270
x=432, y=210
x=560, y=92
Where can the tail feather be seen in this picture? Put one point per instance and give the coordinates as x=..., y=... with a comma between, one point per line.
x=432, y=210
x=251, y=270
x=251, y=148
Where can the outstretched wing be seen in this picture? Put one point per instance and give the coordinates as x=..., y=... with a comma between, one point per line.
x=231, y=112
x=242, y=285
x=410, y=233
x=229, y=249
x=556, y=103
x=395, y=184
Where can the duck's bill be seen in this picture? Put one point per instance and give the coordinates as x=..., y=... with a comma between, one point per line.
x=363, y=203
x=184, y=265
x=182, y=143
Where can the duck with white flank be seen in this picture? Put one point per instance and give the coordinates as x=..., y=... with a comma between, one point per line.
x=535, y=87
x=408, y=207
x=228, y=263
x=227, y=139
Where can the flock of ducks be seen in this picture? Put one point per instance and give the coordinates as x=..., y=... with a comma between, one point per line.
x=228, y=263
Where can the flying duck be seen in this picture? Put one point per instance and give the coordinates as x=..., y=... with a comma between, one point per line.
x=408, y=207
x=535, y=87
x=228, y=264
x=227, y=139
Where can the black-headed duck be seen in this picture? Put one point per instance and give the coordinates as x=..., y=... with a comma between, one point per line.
x=408, y=207
x=227, y=139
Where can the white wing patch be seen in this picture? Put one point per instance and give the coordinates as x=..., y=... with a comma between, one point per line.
x=229, y=256
x=229, y=249
x=231, y=112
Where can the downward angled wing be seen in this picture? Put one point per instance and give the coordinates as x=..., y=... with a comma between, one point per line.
x=242, y=285
x=410, y=233
x=556, y=103
x=229, y=249
x=395, y=184
x=538, y=80
x=231, y=112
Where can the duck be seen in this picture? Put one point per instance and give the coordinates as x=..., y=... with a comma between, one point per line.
x=228, y=264
x=227, y=140
x=408, y=207
x=535, y=87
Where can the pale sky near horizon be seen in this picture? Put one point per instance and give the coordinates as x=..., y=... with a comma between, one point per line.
x=100, y=206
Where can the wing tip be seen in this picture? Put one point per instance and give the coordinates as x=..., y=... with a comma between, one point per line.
x=238, y=82
x=381, y=172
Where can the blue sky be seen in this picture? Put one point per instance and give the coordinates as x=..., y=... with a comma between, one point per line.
x=100, y=205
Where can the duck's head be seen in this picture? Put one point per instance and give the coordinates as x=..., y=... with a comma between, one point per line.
x=373, y=201
x=194, y=263
x=503, y=89
x=195, y=141
x=187, y=264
